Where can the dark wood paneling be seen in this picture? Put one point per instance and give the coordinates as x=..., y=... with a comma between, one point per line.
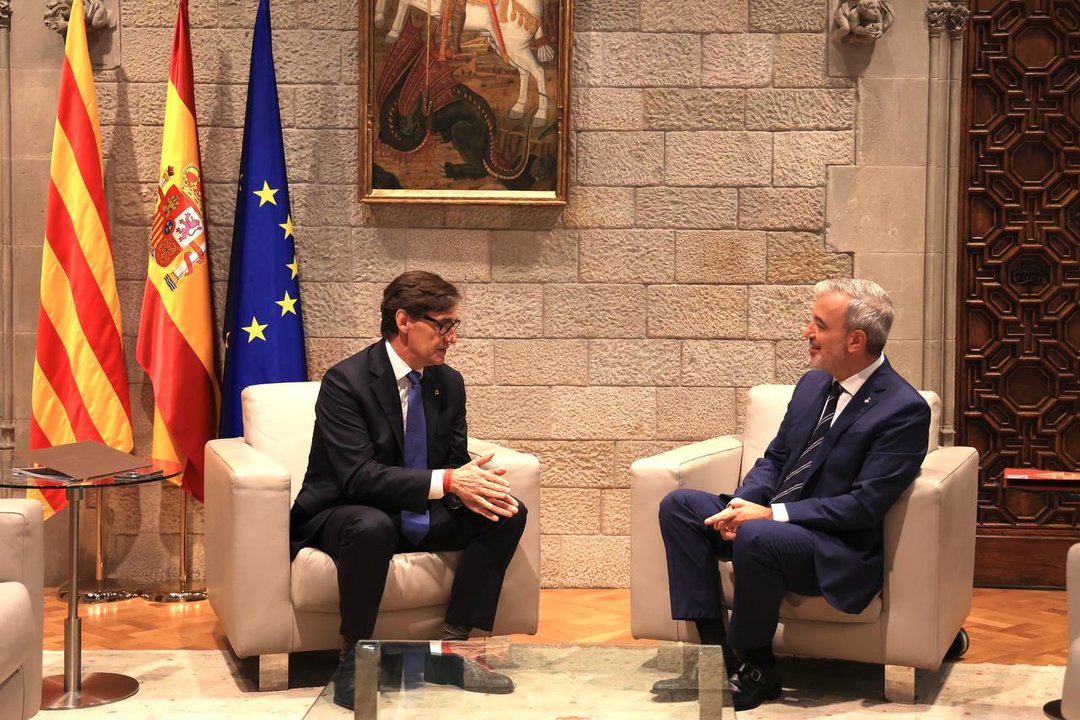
x=1021, y=561
x=1018, y=342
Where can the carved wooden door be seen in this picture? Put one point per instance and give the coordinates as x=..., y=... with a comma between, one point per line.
x=1018, y=338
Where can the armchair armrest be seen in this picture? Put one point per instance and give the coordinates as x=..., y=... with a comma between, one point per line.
x=1070, y=690
x=22, y=560
x=247, y=546
x=710, y=465
x=1072, y=591
x=21, y=546
x=519, y=602
x=930, y=559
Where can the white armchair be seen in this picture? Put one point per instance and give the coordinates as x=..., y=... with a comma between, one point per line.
x=270, y=607
x=22, y=606
x=1068, y=707
x=929, y=553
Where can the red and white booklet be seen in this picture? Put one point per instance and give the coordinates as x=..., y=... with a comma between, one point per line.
x=1036, y=474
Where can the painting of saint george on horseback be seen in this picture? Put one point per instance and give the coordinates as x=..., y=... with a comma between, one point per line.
x=464, y=100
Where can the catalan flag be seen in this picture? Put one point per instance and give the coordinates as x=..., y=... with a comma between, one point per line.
x=80, y=389
x=176, y=340
x=264, y=333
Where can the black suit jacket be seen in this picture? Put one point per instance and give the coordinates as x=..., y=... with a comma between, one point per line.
x=867, y=459
x=357, y=449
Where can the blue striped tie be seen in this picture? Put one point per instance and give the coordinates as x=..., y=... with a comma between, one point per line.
x=791, y=488
x=414, y=526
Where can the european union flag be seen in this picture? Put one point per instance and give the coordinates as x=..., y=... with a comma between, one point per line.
x=264, y=332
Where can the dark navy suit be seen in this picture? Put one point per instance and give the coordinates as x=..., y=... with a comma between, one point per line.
x=356, y=487
x=832, y=544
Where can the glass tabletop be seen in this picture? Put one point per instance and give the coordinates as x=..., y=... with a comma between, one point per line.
x=497, y=679
x=152, y=471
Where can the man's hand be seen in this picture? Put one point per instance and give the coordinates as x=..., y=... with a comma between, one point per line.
x=484, y=491
x=727, y=521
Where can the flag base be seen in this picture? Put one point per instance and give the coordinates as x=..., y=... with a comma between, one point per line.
x=103, y=591
x=183, y=592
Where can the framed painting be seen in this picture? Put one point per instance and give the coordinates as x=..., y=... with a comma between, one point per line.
x=464, y=101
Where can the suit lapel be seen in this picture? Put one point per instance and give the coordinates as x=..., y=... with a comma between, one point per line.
x=385, y=389
x=432, y=402
x=867, y=396
x=806, y=429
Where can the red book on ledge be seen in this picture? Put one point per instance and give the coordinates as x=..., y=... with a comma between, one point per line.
x=1036, y=474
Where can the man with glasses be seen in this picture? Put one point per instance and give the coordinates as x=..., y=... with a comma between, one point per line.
x=389, y=472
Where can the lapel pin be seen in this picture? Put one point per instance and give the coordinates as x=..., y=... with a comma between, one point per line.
x=866, y=401
x=435, y=392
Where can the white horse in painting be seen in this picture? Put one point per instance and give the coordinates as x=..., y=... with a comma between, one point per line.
x=520, y=22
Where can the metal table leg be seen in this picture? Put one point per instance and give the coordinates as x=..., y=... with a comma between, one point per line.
x=71, y=690
x=103, y=590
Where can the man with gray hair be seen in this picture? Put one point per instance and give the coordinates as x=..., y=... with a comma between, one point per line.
x=807, y=517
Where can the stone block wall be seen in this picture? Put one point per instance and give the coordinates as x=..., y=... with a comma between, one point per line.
x=716, y=174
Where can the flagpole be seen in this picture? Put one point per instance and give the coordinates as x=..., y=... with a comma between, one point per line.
x=184, y=591
x=7, y=239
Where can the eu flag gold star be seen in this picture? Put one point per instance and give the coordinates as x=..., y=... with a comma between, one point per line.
x=266, y=195
x=288, y=305
x=287, y=226
x=255, y=330
x=294, y=267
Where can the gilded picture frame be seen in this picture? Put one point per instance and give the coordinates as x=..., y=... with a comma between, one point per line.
x=464, y=101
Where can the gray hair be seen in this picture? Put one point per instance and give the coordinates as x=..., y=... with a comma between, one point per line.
x=869, y=309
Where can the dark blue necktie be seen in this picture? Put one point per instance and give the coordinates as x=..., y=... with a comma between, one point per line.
x=791, y=488
x=414, y=526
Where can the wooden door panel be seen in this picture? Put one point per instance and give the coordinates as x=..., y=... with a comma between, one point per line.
x=1018, y=342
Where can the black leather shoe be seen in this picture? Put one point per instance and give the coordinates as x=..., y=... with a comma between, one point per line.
x=752, y=685
x=345, y=683
x=682, y=688
x=465, y=674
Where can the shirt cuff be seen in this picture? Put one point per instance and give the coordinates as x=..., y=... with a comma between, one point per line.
x=435, y=491
x=779, y=512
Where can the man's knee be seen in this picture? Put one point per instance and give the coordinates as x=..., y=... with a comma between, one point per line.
x=678, y=507
x=765, y=539
x=371, y=530
x=517, y=522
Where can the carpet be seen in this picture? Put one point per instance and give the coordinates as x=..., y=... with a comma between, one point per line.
x=188, y=685
x=184, y=685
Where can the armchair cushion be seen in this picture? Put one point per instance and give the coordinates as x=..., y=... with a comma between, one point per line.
x=418, y=579
x=278, y=422
x=800, y=607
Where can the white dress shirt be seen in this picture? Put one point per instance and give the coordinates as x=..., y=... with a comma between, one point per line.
x=849, y=386
x=401, y=374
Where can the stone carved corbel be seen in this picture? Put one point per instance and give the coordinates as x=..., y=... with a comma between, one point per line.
x=957, y=18
x=862, y=21
x=5, y=14
x=57, y=13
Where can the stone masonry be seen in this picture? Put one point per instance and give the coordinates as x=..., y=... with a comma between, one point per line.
x=701, y=210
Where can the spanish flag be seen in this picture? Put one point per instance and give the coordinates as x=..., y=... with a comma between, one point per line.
x=176, y=342
x=80, y=389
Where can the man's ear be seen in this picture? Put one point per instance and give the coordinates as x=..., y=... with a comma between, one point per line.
x=856, y=341
x=402, y=319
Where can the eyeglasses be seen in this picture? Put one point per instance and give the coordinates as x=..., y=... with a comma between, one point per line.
x=445, y=327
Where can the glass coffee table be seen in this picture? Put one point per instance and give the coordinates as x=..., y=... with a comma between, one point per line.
x=408, y=680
